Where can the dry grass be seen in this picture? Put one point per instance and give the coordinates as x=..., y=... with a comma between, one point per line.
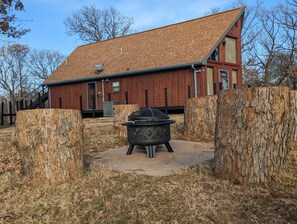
x=104, y=196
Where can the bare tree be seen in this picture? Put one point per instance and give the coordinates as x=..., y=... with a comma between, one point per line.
x=268, y=45
x=44, y=62
x=288, y=57
x=9, y=24
x=92, y=24
x=14, y=76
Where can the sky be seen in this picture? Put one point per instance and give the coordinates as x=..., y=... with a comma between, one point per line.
x=46, y=18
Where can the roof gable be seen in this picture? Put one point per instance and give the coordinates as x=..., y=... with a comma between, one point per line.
x=182, y=43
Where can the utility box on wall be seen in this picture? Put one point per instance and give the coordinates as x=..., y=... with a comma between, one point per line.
x=108, y=108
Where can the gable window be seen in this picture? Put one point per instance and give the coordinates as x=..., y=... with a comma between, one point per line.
x=230, y=50
x=214, y=55
x=115, y=86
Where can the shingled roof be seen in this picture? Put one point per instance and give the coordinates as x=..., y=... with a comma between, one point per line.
x=173, y=45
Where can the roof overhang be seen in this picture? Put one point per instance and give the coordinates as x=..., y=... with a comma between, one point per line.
x=123, y=74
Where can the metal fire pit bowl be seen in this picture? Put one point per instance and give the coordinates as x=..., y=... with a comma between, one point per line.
x=148, y=127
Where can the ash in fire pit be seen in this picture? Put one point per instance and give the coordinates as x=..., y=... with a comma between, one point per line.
x=148, y=127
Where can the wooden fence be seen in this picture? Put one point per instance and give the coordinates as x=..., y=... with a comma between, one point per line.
x=7, y=111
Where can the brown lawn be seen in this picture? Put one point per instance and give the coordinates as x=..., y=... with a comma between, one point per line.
x=104, y=196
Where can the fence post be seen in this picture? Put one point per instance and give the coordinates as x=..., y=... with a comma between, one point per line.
x=60, y=102
x=146, y=98
x=80, y=105
x=166, y=101
x=10, y=113
x=126, y=97
x=2, y=113
x=94, y=105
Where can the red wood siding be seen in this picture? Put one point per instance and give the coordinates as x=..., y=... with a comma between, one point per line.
x=176, y=82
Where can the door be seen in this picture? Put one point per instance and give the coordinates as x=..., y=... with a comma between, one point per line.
x=91, y=95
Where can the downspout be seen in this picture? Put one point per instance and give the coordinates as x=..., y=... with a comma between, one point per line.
x=49, y=97
x=195, y=80
x=102, y=84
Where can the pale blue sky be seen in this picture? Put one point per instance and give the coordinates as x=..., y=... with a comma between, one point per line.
x=47, y=16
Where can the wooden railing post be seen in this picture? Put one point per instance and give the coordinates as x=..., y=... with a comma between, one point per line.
x=221, y=86
x=189, y=91
x=60, y=102
x=166, y=101
x=80, y=105
x=126, y=97
x=146, y=98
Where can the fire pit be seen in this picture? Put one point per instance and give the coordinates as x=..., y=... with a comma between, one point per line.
x=148, y=127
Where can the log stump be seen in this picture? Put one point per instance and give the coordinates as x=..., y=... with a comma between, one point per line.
x=293, y=126
x=50, y=144
x=121, y=113
x=252, y=133
x=200, y=118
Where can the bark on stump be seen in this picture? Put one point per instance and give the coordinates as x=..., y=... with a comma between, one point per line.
x=252, y=133
x=121, y=113
x=50, y=143
x=293, y=126
x=200, y=118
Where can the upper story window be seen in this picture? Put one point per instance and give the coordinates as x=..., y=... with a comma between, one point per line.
x=230, y=50
x=214, y=55
x=115, y=86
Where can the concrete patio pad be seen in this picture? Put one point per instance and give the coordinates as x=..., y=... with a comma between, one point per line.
x=185, y=154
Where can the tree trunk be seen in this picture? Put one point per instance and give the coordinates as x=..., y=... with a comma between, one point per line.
x=252, y=133
x=121, y=113
x=50, y=143
x=200, y=118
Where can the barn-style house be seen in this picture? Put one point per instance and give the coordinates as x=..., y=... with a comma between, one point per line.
x=159, y=68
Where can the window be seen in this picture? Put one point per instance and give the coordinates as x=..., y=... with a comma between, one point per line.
x=115, y=86
x=224, y=79
x=230, y=50
x=209, y=81
x=234, y=78
x=215, y=55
